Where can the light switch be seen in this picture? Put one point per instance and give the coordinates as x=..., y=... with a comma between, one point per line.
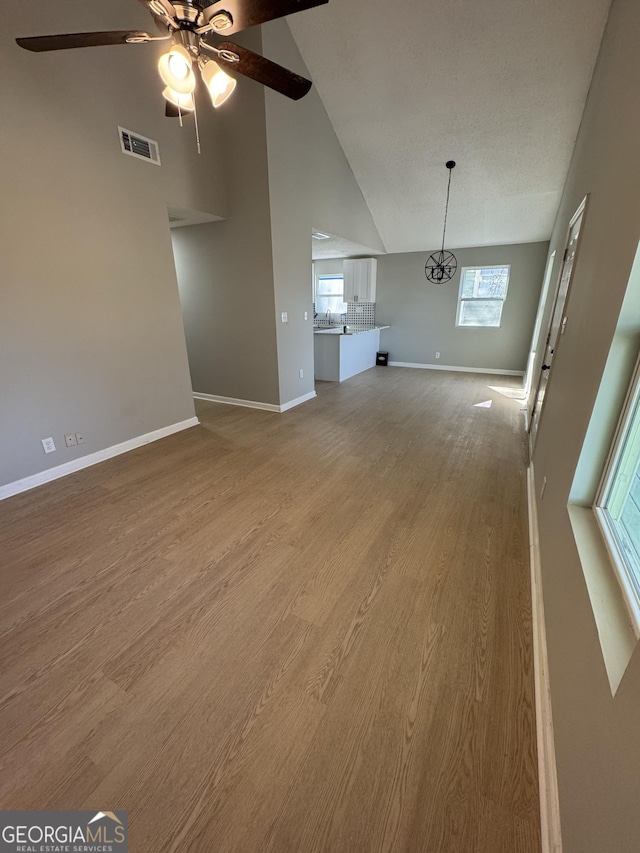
x=285, y=318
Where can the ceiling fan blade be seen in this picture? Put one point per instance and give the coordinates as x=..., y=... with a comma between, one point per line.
x=248, y=13
x=71, y=40
x=268, y=73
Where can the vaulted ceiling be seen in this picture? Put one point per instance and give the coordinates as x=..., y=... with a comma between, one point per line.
x=499, y=86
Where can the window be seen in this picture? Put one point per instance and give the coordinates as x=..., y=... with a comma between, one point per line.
x=617, y=504
x=330, y=294
x=482, y=294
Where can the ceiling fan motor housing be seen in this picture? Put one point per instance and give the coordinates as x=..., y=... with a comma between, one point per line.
x=186, y=12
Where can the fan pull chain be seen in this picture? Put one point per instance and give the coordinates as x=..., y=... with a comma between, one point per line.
x=195, y=121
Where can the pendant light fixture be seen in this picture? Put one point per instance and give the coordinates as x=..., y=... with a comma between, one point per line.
x=441, y=266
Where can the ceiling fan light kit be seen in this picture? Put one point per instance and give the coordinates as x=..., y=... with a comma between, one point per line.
x=441, y=266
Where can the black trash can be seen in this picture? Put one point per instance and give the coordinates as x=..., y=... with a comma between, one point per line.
x=382, y=358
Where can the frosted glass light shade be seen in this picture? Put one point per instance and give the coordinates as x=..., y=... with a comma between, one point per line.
x=218, y=82
x=185, y=102
x=176, y=71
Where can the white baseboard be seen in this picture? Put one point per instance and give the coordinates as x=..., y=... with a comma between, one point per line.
x=50, y=474
x=458, y=369
x=298, y=400
x=547, y=775
x=254, y=404
x=234, y=401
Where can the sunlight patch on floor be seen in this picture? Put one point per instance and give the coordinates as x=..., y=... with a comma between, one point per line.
x=512, y=393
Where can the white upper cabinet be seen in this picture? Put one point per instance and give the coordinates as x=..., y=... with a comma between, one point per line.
x=360, y=280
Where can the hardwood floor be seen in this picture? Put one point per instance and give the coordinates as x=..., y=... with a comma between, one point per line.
x=290, y=633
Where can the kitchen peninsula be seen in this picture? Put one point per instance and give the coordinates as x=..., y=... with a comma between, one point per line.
x=339, y=356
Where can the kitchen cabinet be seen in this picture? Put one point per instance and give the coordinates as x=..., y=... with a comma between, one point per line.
x=360, y=279
x=338, y=356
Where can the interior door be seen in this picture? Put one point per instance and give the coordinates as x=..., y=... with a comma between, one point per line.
x=558, y=319
x=536, y=338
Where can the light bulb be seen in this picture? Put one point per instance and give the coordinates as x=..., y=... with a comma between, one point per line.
x=185, y=102
x=178, y=66
x=176, y=71
x=218, y=82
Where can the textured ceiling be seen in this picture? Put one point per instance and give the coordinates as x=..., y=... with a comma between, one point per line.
x=498, y=86
x=338, y=247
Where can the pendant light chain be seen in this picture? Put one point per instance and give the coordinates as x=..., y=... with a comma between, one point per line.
x=441, y=266
x=446, y=209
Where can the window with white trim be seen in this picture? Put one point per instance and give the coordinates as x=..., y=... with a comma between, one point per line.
x=483, y=291
x=617, y=505
x=330, y=294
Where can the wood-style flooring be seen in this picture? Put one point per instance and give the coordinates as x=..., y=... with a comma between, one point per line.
x=295, y=632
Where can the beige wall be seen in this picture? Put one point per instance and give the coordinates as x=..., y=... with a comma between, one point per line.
x=422, y=316
x=288, y=174
x=91, y=335
x=597, y=734
x=225, y=269
x=311, y=185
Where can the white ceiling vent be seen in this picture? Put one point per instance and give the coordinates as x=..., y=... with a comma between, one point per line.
x=139, y=146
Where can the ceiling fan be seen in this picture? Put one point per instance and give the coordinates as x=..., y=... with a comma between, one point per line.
x=194, y=29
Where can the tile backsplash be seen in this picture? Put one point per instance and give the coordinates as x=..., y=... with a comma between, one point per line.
x=361, y=313
x=358, y=314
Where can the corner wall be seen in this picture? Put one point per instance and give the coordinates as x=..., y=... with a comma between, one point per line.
x=91, y=335
x=311, y=185
x=422, y=316
x=225, y=269
x=288, y=174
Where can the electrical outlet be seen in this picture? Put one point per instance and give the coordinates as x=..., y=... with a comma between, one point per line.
x=437, y=355
x=544, y=486
x=285, y=317
x=306, y=315
x=70, y=439
x=80, y=438
x=359, y=309
x=301, y=373
x=48, y=445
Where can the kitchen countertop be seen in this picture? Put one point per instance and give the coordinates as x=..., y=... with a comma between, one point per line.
x=353, y=330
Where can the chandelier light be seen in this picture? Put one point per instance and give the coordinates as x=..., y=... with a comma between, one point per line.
x=441, y=266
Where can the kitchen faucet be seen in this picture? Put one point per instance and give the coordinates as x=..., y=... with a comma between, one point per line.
x=329, y=316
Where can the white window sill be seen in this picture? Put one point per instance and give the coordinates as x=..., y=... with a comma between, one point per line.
x=615, y=630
